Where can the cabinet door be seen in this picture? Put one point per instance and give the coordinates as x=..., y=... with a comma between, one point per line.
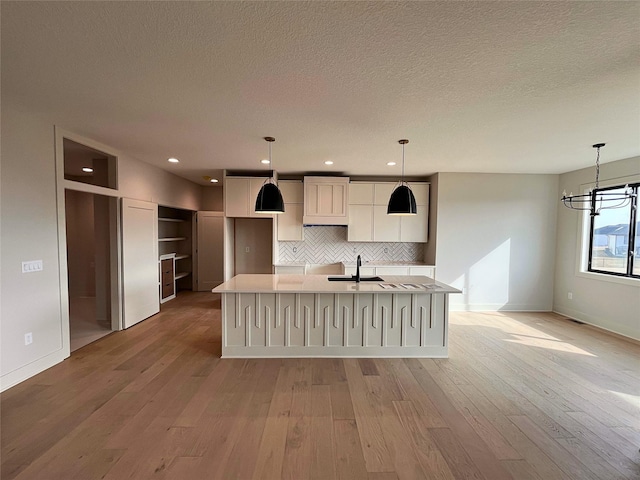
x=236, y=197
x=292, y=191
x=386, y=228
x=426, y=271
x=361, y=193
x=421, y=192
x=139, y=261
x=382, y=193
x=255, y=184
x=392, y=271
x=414, y=228
x=360, y=227
x=351, y=270
x=290, y=223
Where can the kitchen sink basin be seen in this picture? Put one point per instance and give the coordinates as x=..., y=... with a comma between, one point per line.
x=352, y=278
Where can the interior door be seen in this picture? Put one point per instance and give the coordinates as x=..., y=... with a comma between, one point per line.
x=210, y=258
x=139, y=261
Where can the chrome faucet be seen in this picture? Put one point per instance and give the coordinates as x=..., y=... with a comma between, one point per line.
x=358, y=263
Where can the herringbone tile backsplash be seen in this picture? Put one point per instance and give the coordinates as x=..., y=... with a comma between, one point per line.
x=329, y=245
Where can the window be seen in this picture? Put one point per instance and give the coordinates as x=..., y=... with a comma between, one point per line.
x=87, y=165
x=614, y=245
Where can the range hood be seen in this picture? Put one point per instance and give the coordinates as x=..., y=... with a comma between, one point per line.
x=326, y=201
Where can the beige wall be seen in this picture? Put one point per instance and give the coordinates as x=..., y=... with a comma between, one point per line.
x=597, y=299
x=496, y=239
x=28, y=231
x=30, y=302
x=212, y=199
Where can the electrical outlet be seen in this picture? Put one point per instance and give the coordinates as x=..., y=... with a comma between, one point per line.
x=247, y=249
x=28, y=338
x=354, y=249
x=570, y=296
x=295, y=249
x=385, y=250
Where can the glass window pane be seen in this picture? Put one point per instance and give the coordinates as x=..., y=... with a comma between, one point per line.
x=611, y=239
x=86, y=165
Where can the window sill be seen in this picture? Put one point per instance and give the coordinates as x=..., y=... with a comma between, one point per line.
x=603, y=277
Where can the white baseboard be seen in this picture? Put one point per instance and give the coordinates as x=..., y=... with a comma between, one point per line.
x=497, y=307
x=584, y=318
x=23, y=373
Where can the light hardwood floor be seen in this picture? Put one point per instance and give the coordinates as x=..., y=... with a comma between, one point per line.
x=523, y=396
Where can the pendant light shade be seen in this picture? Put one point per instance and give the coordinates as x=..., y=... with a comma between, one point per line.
x=269, y=198
x=402, y=201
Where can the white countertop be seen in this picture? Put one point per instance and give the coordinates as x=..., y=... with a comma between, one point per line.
x=372, y=263
x=319, y=284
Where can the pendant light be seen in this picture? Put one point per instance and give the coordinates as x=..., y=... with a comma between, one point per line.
x=269, y=198
x=402, y=201
x=595, y=200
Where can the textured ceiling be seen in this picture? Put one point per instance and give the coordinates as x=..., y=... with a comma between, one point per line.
x=475, y=86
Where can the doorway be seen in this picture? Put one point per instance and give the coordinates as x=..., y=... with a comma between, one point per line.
x=253, y=245
x=88, y=228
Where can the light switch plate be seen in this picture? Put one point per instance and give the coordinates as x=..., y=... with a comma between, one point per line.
x=32, y=266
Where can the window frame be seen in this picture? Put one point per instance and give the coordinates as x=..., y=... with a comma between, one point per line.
x=633, y=222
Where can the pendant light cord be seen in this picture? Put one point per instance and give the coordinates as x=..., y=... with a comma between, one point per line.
x=598, y=169
x=270, y=163
x=402, y=181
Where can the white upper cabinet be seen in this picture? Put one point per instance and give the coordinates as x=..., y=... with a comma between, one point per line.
x=240, y=195
x=290, y=222
x=361, y=193
x=415, y=228
x=368, y=219
x=325, y=200
x=360, y=228
x=292, y=191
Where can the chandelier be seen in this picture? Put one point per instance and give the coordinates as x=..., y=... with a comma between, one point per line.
x=595, y=199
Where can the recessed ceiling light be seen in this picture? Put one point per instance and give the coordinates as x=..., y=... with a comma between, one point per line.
x=174, y=160
x=391, y=164
x=87, y=169
x=265, y=161
x=214, y=180
x=328, y=162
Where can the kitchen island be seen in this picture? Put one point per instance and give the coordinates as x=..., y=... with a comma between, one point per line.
x=310, y=316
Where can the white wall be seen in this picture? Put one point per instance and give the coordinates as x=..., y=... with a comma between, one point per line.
x=28, y=231
x=496, y=239
x=597, y=299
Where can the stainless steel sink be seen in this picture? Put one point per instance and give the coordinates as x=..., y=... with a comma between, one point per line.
x=352, y=278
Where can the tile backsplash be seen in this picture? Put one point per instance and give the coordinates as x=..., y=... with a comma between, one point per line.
x=329, y=244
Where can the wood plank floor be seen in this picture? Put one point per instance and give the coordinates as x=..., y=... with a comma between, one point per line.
x=522, y=396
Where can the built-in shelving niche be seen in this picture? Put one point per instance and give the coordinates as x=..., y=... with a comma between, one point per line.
x=175, y=235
